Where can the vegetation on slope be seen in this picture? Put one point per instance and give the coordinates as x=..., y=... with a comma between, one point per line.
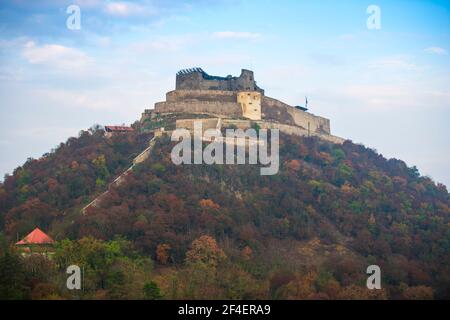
x=223, y=231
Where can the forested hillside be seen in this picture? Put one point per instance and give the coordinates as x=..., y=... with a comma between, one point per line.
x=225, y=231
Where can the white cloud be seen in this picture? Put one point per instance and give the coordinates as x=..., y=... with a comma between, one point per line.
x=403, y=96
x=393, y=63
x=236, y=35
x=436, y=50
x=55, y=55
x=88, y=3
x=124, y=9
x=12, y=44
x=98, y=99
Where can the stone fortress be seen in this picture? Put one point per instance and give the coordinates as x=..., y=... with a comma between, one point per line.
x=234, y=101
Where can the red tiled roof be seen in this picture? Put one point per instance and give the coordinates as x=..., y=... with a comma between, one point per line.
x=37, y=236
x=118, y=128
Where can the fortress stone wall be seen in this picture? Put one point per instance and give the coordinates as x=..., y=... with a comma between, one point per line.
x=237, y=99
x=226, y=104
x=197, y=79
x=215, y=108
x=207, y=123
x=277, y=111
x=211, y=123
x=201, y=95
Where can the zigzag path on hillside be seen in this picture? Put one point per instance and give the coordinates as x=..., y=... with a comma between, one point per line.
x=116, y=182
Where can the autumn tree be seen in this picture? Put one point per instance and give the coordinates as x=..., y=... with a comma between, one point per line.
x=417, y=293
x=205, y=250
x=162, y=253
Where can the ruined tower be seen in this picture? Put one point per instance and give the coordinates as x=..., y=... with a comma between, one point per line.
x=197, y=79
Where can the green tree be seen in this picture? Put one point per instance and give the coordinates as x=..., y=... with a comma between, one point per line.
x=12, y=277
x=151, y=291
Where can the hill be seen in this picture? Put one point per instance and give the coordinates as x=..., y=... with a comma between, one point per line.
x=224, y=231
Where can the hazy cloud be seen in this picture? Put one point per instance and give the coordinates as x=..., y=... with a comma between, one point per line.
x=393, y=63
x=236, y=35
x=326, y=59
x=55, y=55
x=124, y=9
x=388, y=96
x=436, y=50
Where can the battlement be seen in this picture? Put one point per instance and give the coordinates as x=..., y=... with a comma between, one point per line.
x=197, y=79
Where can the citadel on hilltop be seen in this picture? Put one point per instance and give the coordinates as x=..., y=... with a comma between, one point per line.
x=236, y=101
x=219, y=102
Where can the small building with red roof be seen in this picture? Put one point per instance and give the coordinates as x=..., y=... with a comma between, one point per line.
x=111, y=130
x=37, y=241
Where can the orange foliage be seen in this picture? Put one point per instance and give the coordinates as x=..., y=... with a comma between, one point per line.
x=325, y=157
x=162, y=253
x=206, y=251
x=293, y=165
x=208, y=203
x=347, y=188
x=418, y=293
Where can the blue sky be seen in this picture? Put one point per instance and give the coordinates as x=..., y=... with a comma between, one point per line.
x=388, y=89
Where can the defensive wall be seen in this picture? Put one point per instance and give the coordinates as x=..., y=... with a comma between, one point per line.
x=225, y=103
x=210, y=123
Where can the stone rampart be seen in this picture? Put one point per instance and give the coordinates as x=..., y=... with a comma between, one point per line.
x=275, y=110
x=225, y=109
x=245, y=124
x=201, y=95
